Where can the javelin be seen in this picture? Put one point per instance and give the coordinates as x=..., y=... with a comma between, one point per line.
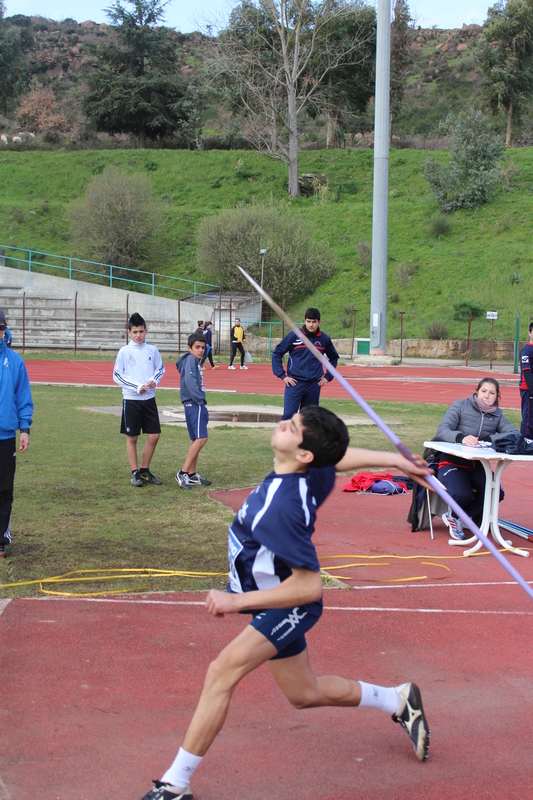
x=397, y=442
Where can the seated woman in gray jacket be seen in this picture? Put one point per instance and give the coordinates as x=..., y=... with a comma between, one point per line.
x=469, y=421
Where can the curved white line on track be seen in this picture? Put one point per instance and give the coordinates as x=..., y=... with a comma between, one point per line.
x=3, y=606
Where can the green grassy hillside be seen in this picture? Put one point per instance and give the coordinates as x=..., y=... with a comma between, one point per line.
x=485, y=257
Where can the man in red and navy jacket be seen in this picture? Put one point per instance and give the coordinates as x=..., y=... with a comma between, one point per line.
x=526, y=386
x=305, y=374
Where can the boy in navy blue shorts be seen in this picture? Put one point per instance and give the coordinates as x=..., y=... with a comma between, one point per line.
x=275, y=577
x=192, y=393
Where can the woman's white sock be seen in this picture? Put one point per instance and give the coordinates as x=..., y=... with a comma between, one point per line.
x=182, y=769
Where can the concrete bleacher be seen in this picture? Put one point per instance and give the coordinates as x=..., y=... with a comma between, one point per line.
x=45, y=312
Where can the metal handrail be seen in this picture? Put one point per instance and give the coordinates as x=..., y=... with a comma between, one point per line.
x=115, y=274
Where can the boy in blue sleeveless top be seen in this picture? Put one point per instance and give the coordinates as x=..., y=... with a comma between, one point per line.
x=275, y=576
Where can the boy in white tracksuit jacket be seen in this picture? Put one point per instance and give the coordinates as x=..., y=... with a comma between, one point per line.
x=138, y=370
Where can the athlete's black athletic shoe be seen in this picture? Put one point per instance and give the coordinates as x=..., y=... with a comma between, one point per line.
x=136, y=479
x=147, y=477
x=165, y=791
x=411, y=717
x=182, y=479
x=197, y=480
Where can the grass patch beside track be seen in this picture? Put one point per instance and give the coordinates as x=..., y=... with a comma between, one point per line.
x=74, y=508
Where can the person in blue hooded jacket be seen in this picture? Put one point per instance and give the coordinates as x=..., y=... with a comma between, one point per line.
x=17, y=410
x=192, y=393
x=305, y=374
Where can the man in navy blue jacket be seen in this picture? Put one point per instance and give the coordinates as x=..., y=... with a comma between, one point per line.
x=305, y=374
x=17, y=409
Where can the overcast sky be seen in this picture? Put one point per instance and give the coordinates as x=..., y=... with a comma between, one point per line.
x=187, y=16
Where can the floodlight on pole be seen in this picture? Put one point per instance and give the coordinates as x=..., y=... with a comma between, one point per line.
x=378, y=292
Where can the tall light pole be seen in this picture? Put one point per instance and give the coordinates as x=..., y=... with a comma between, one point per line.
x=262, y=253
x=378, y=291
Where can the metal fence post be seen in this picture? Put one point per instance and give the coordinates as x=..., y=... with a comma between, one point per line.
x=179, y=325
x=24, y=322
x=29, y=262
x=516, y=343
x=153, y=283
x=110, y=276
x=76, y=322
x=219, y=317
x=70, y=269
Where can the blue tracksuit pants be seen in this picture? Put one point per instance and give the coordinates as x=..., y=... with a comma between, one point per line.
x=305, y=393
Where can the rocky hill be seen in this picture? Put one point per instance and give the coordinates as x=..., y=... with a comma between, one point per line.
x=443, y=79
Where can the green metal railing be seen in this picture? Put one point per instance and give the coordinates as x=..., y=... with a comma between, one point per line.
x=107, y=274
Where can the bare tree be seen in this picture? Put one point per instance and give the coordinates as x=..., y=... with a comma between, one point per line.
x=273, y=58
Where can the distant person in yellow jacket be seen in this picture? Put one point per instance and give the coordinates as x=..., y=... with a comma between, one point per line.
x=237, y=338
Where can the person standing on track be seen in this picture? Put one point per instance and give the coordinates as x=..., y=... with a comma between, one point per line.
x=305, y=374
x=274, y=575
x=16, y=407
x=138, y=370
x=526, y=386
x=208, y=353
x=237, y=339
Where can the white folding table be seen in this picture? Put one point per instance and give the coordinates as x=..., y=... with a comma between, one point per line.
x=493, y=480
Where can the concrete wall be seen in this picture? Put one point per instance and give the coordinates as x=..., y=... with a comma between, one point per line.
x=104, y=298
x=450, y=348
x=42, y=312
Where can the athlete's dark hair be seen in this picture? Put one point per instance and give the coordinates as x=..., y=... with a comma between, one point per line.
x=195, y=337
x=200, y=323
x=530, y=327
x=136, y=321
x=208, y=323
x=494, y=383
x=325, y=435
x=312, y=313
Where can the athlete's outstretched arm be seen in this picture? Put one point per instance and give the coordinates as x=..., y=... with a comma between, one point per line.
x=303, y=586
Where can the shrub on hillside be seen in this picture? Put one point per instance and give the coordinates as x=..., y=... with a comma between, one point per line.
x=471, y=176
x=437, y=330
x=117, y=220
x=39, y=111
x=462, y=309
x=440, y=226
x=294, y=265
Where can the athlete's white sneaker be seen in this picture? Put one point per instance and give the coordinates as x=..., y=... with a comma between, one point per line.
x=455, y=527
x=411, y=717
x=165, y=791
x=243, y=367
x=232, y=367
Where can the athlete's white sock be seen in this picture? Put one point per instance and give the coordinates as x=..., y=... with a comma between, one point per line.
x=181, y=771
x=383, y=697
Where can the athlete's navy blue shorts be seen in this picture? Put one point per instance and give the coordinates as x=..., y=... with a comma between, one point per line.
x=286, y=628
x=197, y=418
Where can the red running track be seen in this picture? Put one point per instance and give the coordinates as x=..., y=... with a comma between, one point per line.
x=97, y=694
x=402, y=384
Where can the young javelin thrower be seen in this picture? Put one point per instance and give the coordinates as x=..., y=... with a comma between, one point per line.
x=275, y=576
